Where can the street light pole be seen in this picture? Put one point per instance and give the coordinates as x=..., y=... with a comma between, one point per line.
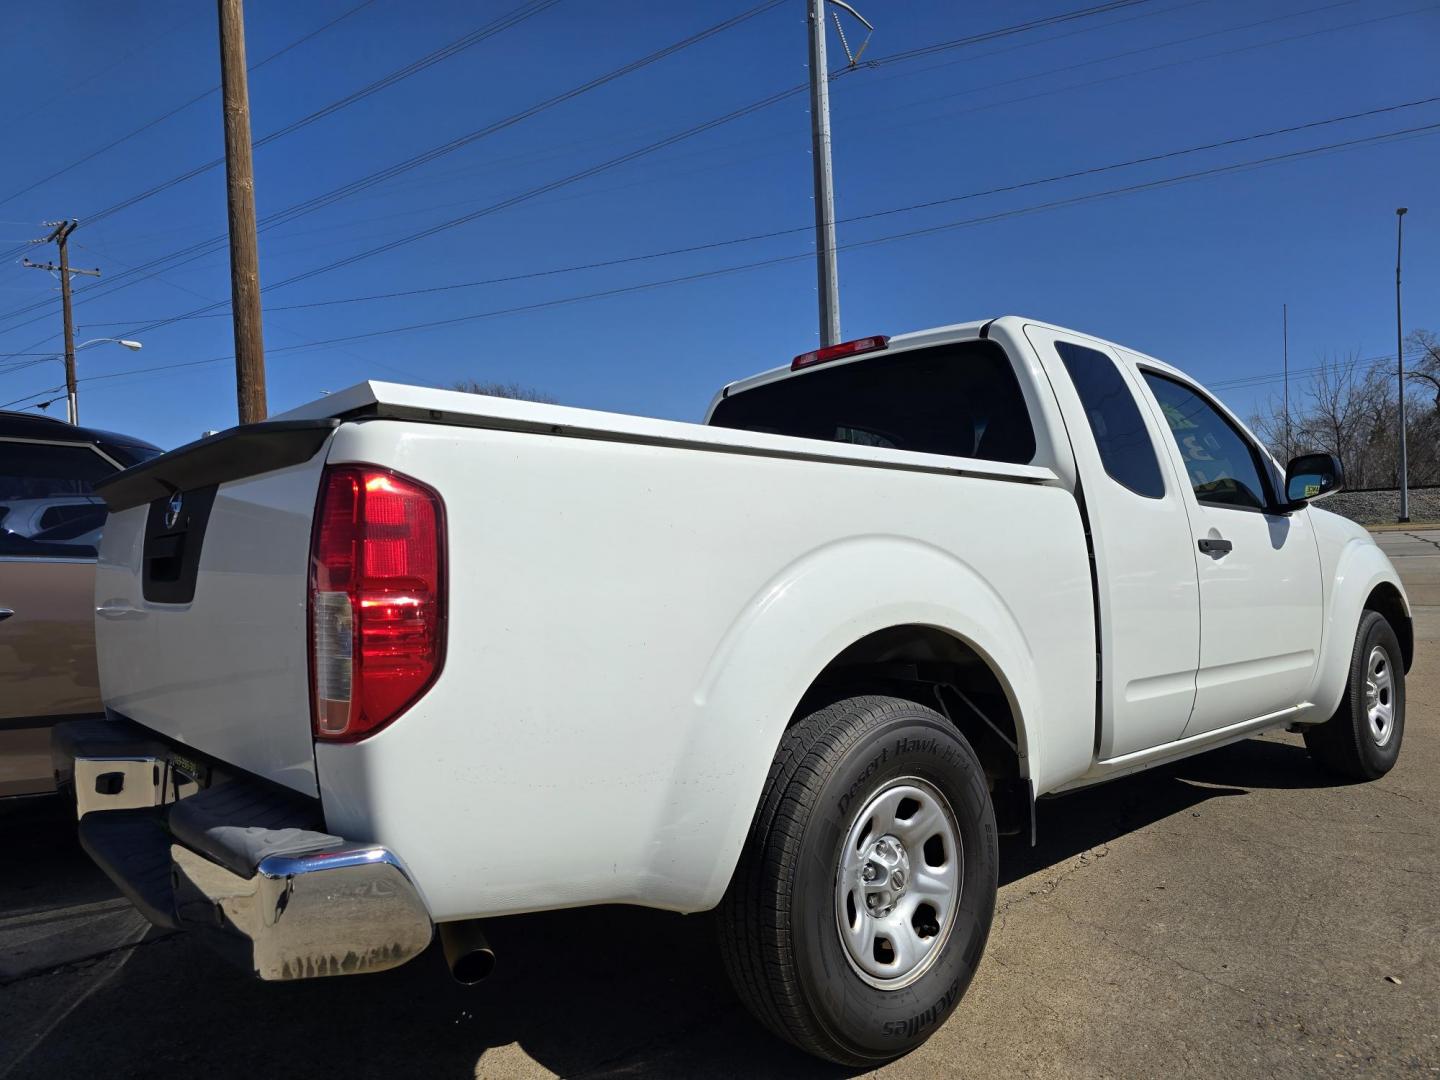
x=827, y=272
x=1400, y=369
x=1285, y=353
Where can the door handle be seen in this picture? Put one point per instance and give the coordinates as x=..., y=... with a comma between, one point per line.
x=5, y=613
x=113, y=610
x=1215, y=546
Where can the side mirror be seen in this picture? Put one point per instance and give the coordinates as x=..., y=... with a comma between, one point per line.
x=1312, y=476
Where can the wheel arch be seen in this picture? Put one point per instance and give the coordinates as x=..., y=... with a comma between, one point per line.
x=1387, y=599
x=1360, y=579
x=810, y=632
x=944, y=671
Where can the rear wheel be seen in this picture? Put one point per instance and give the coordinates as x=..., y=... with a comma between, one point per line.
x=862, y=902
x=1362, y=740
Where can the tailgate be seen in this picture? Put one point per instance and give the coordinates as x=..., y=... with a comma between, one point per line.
x=200, y=596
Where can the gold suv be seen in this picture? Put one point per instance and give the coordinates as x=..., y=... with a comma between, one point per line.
x=50, y=526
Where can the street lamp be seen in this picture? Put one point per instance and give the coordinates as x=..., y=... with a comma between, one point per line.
x=824, y=184
x=1400, y=368
x=72, y=406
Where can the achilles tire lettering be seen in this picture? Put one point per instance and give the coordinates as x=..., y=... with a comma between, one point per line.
x=920, y=1021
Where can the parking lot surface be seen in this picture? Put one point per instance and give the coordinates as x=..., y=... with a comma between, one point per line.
x=1236, y=914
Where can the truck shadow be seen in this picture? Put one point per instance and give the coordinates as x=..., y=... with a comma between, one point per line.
x=603, y=992
x=1071, y=824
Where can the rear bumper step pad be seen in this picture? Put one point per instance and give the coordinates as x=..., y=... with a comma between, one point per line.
x=239, y=825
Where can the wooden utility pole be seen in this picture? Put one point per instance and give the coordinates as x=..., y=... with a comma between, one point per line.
x=240, y=198
x=60, y=237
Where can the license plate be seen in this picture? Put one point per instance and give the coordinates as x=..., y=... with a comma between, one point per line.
x=186, y=766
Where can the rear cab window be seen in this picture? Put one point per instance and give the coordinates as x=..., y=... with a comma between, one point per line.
x=960, y=400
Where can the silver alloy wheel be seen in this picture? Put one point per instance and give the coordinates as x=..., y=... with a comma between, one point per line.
x=1380, y=695
x=898, y=884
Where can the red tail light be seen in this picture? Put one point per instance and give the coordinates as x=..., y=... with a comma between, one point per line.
x=377, y=601
x=845, y=348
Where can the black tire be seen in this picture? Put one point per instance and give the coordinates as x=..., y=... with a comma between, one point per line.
x=1346, y=745
x=777, y=923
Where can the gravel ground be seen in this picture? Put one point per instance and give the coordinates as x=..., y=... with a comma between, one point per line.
x=1383, y=507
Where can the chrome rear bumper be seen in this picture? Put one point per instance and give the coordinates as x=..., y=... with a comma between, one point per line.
x=339, y=912
x=241, y=863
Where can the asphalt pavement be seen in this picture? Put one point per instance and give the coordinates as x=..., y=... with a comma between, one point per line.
x=1238, y=914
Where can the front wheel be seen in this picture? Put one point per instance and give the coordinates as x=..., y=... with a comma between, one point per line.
x=1362, y=740
x=863, y=900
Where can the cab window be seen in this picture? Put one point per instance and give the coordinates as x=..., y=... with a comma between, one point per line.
x=1223, y=465
x=1126, y=449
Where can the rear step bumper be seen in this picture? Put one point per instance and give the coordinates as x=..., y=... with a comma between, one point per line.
x=245, y=864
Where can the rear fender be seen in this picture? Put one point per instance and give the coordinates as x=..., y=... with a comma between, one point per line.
x=810, y=613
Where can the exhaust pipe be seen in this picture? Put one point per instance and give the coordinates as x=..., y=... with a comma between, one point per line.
x=467, y=952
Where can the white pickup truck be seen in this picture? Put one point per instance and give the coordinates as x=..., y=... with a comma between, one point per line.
x=405, y=658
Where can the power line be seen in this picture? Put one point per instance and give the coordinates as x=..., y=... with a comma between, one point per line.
x=1125, y=54
x=991, y=35
x=317, y=202
x=778, y=260
x=1248, y=381
x=196, y=251
x=205, y=247
x=908, y=234
x=1148, y=48
x=192, y=101
x=118, y=281
x=365, y=183
x=622, y=159
x=505, y=22
x=852, y=219
x=512, y=18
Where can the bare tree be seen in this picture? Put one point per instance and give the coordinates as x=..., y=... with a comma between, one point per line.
x=1351, y=409
x=1344, y=402
x=1424, y=345
x=1422, y=403
x=1422, y=352
x=511, y=390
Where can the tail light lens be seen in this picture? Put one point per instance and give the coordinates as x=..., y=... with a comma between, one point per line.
x=377, y=601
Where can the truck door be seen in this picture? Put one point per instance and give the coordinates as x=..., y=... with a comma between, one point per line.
x=1147, y=591
x=1259, y=570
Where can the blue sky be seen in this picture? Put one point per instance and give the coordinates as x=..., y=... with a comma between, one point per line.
x=1195, y=272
